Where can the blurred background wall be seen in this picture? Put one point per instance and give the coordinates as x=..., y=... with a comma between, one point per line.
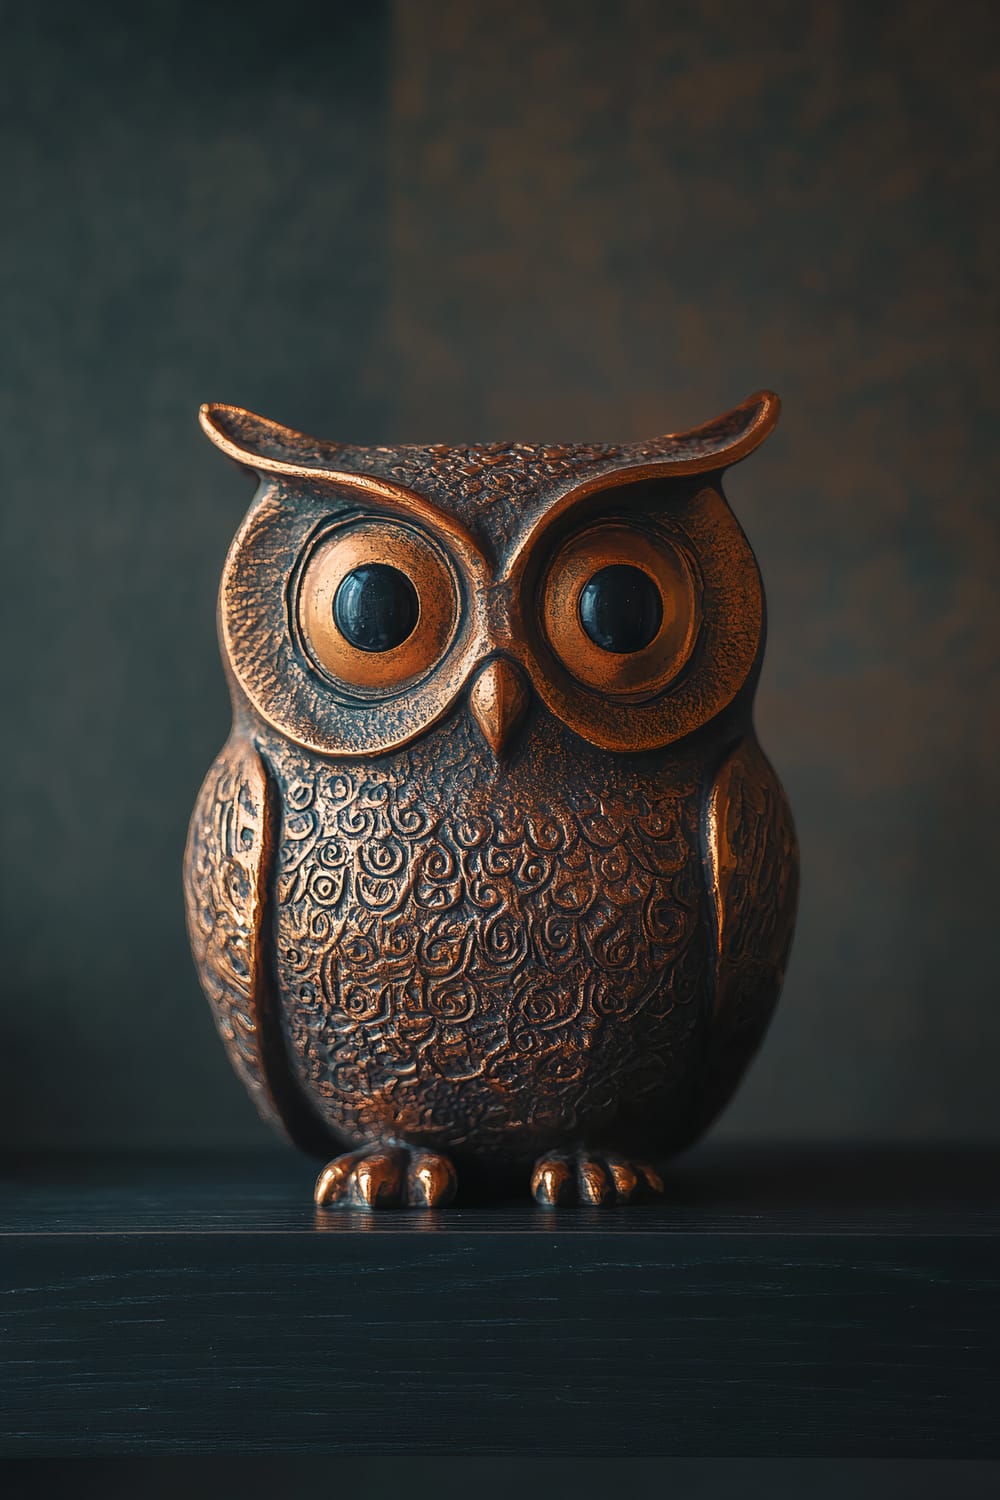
x=461, y=221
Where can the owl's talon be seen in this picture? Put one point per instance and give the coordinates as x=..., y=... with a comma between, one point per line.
x=624, y=1178
x=552, y=1181
x=431, y=1180
x=377, y=1180
x=386, y=1176
x=593, y=1178
x=333, y=1182
x=653, y=1180
x=594, y=1182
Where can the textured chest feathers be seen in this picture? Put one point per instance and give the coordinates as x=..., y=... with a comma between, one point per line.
x=372, y=593
x=397, y=889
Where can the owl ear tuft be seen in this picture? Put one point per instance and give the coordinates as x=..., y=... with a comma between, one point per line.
x=715, y=445
x=263, y=446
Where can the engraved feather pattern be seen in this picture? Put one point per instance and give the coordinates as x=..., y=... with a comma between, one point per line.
x=227, y=847
x=489, y=964
x=753, y=855
x=226, y=878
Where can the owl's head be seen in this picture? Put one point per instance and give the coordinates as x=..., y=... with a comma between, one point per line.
x=369, y=589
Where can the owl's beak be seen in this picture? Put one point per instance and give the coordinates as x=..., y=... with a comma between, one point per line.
x=498, y=700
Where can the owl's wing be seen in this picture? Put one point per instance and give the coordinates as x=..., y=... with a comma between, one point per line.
x=754, y=873
x=227, y=869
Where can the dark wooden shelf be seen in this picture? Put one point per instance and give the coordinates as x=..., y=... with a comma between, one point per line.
x=812, y=1302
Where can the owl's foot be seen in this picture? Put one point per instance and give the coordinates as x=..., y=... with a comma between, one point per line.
x=387, y=1176
x=592, y=1177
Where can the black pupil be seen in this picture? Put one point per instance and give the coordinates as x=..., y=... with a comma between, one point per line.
x=621, y=609
x=375, y=607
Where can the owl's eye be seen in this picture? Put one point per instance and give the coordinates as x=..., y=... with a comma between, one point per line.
x=378, y=604
x=375, y=607
x=620, y=609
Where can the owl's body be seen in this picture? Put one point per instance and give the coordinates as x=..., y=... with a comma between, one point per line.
x=506, y=926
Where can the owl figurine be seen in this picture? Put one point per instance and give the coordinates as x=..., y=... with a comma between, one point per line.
x=492, y=882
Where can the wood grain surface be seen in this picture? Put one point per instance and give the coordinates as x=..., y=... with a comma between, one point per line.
x=181, y=1308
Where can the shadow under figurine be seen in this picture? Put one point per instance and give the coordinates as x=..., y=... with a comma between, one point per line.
x=492, y=876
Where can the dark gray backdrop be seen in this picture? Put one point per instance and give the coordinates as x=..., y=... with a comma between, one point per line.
x=447, y=222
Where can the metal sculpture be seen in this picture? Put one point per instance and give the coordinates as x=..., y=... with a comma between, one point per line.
x=492, y=878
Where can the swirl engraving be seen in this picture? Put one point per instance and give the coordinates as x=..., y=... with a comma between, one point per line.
x=497, y=964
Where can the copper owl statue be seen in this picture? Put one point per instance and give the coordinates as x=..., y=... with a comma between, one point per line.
x=492, y=880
